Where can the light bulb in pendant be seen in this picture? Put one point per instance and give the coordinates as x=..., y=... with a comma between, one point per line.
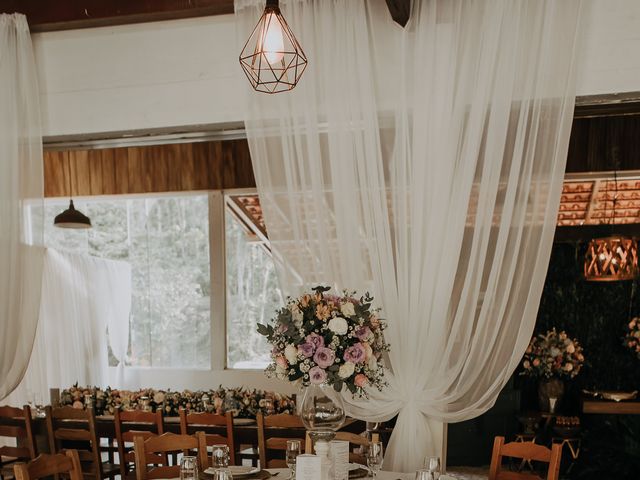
x=273, y=46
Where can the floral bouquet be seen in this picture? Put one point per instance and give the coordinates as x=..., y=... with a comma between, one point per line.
x=632, y=340
x=552, y=355
x=320, y=338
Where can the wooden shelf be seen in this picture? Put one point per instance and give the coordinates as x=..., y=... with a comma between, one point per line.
x=611, y=407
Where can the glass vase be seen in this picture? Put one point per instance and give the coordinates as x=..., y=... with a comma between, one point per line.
x=322, y=411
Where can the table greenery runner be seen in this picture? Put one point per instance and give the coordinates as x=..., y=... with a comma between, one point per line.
x=242, y=402
x=320, y=338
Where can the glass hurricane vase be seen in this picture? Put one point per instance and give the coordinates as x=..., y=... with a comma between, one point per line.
x=322, y=411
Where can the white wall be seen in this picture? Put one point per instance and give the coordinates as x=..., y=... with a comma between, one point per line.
x=186, y=72
x=160, y=74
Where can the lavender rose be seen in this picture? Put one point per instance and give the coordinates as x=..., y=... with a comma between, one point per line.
x=324, y=357
x=363, y=333
x=317, y=376
x=315, y=340
x=306, y=349
x=354, y=354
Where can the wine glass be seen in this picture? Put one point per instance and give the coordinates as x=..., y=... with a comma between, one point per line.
x=188, y=468
x=432, y=464
x=294, y=448
x=374, y=457
x=220, y=456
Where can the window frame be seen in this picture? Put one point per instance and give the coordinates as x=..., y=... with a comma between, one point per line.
x=188, y=378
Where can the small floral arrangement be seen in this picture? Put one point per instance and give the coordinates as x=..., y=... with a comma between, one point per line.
x=552, y=355
x=321, y=338
x=242, y=402
x=632, y=340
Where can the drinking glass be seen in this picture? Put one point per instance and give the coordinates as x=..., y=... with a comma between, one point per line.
x=188, y=468
x=424, y=474
x=432, y=464
x=220, y=456
x=222, y=474
x=374, y=458
x=294, y=448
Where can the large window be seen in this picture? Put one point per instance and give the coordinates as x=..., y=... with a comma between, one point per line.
x=253, y=294
x=166, y=241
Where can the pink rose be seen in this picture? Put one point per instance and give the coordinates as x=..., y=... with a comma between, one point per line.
x=536, y=362
x=363, y=333
x=306, y=349
x=317, y=376
x=354, y=354
x=360, y=380
x=315, y=340
x=324, y=357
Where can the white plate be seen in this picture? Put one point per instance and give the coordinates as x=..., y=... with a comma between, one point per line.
x=237, y=470
x=243, y=421
x=242, y=471
x=355, y=466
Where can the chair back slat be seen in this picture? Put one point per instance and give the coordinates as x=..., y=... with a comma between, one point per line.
x=46, y=465
x=525, y=451
x=218, y=429
x=146, y=452
x=15, y=423
x=273, y=433
x=130, y=424
x=68, y=424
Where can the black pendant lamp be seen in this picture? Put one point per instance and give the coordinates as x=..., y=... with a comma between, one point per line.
x=71, y=218
x=272, y=58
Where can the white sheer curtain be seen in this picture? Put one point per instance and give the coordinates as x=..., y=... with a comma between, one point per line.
x=81, y=296
x=425, y=165
x=21, y=181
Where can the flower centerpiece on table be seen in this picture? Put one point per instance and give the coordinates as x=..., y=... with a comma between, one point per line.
x=552, y=357
x=324, y=339
x=327, y=342
x=632, y=339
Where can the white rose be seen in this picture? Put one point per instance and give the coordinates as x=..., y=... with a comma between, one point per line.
x=291, y=354
x=297, y=315
x=281, y=373
x=347, y=309
x=338, y=325
x=346, y=369
x=373, y=364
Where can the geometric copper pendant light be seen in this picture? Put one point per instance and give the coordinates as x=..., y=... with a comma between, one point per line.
x=611, y=259
x=614, y=257
x=272, y=59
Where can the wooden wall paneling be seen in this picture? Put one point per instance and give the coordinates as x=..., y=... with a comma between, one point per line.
x=81, y=168
x=54, y=173
x=149, y=169
x=108, y=170
x=176, y=160
x=136, y=170
x=121, y=170
x=242, y=161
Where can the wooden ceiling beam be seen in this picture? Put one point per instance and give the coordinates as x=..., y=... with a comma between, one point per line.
x=72, y=14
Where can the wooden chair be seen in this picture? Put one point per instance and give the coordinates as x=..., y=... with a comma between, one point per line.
x=70, y=427
x=47, y=465
x=15, y=424
x=525, y=451
x=130, y=424
x=147, y=451
x=273, y=433
x=212, y=425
